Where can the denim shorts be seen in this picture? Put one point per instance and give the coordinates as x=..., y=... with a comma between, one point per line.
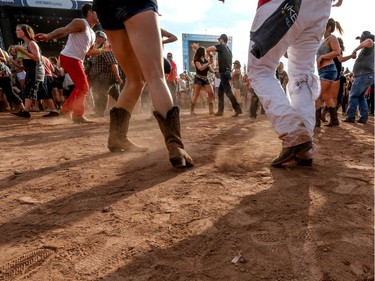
x=113, y=13
x=328, y=73
x=201, y=82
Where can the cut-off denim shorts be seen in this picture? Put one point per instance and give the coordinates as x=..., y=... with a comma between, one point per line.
x=113, y=13
x=200, y=81
x=328, y=73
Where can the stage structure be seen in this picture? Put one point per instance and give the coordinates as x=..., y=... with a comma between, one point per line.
x=190, y=42
x=42, y=15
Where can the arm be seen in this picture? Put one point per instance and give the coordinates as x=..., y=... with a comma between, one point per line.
x=76, y=25
x=115, y=71
x=169, y=37
x=210, y=49
x=201, y=66
x=34, y=51
x=368, y=43
x=342, y=58
x=3, y=57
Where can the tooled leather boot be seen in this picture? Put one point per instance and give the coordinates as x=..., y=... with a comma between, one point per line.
x=324, y=113
x=170, y=127
x=118, y=130
x=334, y=121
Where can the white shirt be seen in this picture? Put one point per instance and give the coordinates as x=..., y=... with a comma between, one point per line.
x=79, y=43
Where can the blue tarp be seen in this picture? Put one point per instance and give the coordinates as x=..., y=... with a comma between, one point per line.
x=52, y=4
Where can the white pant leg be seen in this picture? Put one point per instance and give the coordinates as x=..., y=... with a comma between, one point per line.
x=286, y=121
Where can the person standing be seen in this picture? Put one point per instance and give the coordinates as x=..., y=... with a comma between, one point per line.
x=363, y=71
x=237, y=81
x=6, y=85
x=293, y=121
x=225, y=66
x=133, y=30
x=328, y=50
x=104, y=76
x=172, y=78
x=80, y=43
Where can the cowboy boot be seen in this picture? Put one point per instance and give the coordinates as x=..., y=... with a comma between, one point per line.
x=318, y=116
x=192, y=105
x=334, y=121
x=118, y=130
x=170, y=127
x=210, y=108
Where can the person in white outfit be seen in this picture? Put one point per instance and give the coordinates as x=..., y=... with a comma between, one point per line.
x=304, y=23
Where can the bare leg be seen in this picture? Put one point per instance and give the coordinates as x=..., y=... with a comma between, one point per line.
x=133, y=52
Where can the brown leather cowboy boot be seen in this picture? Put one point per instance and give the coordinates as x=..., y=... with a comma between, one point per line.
x=118, y=130
x=170, y=127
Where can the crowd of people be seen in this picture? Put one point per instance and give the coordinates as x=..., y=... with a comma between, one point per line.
x=115, y=61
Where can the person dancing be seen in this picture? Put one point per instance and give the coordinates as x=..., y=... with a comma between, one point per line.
x=202, y=66
x=328, y=50
x=292, y=120
x=80, y=43
x=133, y=28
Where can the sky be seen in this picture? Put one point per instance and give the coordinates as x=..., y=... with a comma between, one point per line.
x=234, y=18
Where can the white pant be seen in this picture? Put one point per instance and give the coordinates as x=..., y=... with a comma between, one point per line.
x=293, y=120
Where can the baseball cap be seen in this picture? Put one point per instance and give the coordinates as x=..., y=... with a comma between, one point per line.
x=101, y=34
x=365, y=34
x=224, y=37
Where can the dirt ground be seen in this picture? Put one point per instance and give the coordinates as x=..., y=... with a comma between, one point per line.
x=71, y=210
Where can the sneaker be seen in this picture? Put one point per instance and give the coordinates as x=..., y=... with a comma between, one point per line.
x=22, y=113
x=81, y=120
x=348, y=120
x=361, y=121
x=51, y=114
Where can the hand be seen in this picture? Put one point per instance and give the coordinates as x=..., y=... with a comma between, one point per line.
x=354, y=55
x=41, y=37
x=119, y=80
x=319, y=61
x=19, y=48
x=338, y=3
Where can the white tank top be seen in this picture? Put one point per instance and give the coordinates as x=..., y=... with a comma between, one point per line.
x=79, y=43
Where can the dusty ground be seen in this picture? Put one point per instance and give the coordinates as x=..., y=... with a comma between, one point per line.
x=70, y=210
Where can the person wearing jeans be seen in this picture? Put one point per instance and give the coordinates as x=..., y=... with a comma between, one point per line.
x=225, y=64
x=292, y=120
x=363, y=71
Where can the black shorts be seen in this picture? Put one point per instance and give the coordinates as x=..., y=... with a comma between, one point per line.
x=200, y=81
x=113, y=13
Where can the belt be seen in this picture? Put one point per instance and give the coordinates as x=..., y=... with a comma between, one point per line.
x=201, y=77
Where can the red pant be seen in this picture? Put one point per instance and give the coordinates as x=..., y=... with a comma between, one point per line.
x=77, y=99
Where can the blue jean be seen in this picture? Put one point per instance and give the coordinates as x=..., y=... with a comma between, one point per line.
x=226, y=88
x=357, y=97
